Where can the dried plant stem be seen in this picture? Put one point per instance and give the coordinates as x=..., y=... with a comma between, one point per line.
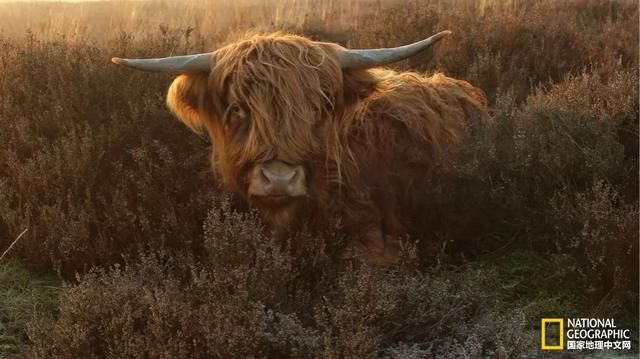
x=14, y=242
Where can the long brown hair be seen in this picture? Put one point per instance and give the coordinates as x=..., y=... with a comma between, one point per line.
x=303, y=107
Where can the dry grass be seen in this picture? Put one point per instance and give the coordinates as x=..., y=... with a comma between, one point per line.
x=14, y=243
x=23, y=297
x=113, y=188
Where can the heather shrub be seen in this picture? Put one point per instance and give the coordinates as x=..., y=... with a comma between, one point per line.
x=599, y=227
x=247, y=295
x=91, y=160
x=512, y=46
x=557, y=174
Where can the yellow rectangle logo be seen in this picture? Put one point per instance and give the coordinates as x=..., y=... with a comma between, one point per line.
x=543, y=338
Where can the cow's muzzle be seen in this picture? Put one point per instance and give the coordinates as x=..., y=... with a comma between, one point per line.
x=276, y=182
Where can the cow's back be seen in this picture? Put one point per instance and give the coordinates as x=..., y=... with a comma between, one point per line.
x=407, y=128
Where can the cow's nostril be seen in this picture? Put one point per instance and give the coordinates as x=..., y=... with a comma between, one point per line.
x=264, y=176
x=287, y=177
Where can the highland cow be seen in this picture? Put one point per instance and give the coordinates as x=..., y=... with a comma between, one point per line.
x=305, y=131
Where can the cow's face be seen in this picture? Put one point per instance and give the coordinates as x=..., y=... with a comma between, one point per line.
x=266, y=104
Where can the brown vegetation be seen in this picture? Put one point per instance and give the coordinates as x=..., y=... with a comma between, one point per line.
x=102, y=175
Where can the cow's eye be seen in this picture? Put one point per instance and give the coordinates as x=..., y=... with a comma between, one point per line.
x=235, y=118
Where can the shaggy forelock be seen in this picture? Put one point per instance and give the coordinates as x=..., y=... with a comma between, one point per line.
x=289, y=83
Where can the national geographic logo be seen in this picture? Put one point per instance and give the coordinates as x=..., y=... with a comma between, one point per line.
x=583, y=334
x=560, y=334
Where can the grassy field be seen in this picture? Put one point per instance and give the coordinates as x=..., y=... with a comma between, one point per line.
x=134, y=251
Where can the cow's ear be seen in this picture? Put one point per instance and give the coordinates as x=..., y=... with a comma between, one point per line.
x=188, y=99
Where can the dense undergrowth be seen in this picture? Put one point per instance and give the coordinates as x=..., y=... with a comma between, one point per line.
x=539, y=216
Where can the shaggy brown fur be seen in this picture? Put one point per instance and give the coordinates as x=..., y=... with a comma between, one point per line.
x=366, y=138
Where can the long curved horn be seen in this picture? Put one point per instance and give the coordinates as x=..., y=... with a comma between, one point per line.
x=174, y=64
x=378, y=57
